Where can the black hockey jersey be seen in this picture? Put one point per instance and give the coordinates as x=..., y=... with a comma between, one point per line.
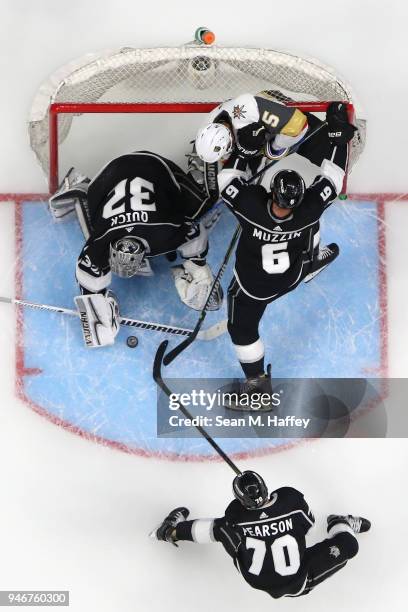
x=272, y=252
x=143, y=195
x=273, y=542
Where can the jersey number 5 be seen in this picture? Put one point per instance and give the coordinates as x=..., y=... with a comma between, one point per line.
x=285, y=555
x=270, y=119
x=140, y=192
x=275, y=258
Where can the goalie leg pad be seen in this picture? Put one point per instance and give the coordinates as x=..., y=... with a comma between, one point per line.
x=193, y=284
x=99, y=315
x=74, y=186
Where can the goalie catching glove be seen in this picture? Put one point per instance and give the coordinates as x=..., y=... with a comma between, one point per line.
x=99, y=314
x=340, y=130
x=193, y=284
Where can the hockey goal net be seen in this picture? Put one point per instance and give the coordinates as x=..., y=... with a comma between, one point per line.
x=192, y=78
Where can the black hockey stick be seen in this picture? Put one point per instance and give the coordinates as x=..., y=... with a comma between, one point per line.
x=157, y=375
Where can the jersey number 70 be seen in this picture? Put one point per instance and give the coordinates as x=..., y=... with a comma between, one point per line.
x=285, y=555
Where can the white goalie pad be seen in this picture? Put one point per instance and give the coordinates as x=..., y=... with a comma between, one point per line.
x=99, y=315
x=73, y=188
x=193, y=284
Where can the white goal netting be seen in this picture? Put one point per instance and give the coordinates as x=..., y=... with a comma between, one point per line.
x=186, y=74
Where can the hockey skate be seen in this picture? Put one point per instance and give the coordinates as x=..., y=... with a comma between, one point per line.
x=244, y=394
x=164, y=531
x=357, y=523
x=325, y=257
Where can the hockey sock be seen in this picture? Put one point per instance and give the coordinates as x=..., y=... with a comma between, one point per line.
x=252, y=370
x=184, y=531
x=199, y=531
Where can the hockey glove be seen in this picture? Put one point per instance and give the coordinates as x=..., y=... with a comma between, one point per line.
x=99, y=315
x=250, y=140
x=340, y=130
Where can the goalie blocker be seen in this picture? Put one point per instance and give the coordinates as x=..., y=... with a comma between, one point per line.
x=99, y=315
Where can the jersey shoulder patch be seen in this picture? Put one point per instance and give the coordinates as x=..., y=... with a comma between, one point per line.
x=242, y=110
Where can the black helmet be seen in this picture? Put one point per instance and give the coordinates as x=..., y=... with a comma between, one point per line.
x=250, y=489
x=288, y=188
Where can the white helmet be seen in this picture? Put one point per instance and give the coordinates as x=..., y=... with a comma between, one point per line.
x=213, y=142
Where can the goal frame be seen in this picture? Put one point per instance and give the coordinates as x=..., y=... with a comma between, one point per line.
x=74, y=108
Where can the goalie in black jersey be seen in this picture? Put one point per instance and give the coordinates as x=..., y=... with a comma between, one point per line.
x=137, y=207
x=266, y=537
x=279, y=244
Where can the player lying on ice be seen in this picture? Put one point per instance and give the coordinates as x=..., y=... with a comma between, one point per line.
x=279, y=244
x=265, y=536
x=138, y=206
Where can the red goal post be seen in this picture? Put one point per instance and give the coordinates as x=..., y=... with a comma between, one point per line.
x=78, y=108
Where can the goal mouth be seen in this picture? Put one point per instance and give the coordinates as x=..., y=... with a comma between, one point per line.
x=189, y=79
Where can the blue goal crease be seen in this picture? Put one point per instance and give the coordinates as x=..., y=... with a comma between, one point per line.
x=327, y=328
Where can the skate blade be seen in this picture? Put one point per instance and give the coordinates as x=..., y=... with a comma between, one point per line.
x=311, y=276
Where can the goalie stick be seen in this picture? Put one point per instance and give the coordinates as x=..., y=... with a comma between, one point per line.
x=206, y=334
x=160, y=382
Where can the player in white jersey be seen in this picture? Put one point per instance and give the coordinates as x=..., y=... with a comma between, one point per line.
x=244, y=133
x=244, y=129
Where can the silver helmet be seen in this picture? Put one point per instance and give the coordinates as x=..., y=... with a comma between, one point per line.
x=126, y=256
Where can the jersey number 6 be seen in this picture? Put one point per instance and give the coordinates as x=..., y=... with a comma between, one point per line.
x=275, y=258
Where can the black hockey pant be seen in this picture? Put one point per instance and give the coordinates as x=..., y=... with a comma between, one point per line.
x=326, y=558
x=245, y=313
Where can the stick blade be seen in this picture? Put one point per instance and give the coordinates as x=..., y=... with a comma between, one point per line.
x=158, y=360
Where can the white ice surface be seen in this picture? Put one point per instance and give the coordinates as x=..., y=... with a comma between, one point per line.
x=75, y=515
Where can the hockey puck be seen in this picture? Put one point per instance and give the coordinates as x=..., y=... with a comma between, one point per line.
x=132, y=341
